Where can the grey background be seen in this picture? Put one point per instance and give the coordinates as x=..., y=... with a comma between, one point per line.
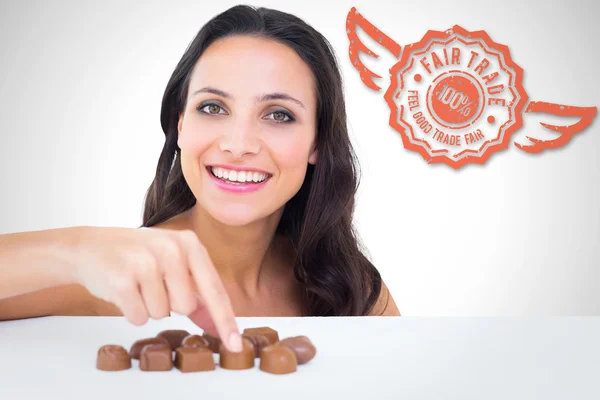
x=80, y=89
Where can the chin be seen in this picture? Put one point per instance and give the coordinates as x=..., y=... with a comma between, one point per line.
x=234, y=215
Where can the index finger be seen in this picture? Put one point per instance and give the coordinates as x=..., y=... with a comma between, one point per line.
x=213, y=293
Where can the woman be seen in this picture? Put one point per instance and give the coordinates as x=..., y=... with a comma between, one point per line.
x=250, y=211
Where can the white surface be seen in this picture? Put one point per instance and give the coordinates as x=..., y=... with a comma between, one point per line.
x=358, y=358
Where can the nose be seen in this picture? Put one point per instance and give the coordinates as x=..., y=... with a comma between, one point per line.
x=242, y=138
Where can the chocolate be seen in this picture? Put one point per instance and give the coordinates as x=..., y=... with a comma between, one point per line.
x=302, y=346
x=156, y=357
x=194, y=341
x=174, y=337
x=258, y=341
x=278, y=359
x=194, y=359
x=214, y=343
x=271, y=334
x=112, y=357
x=241, y=360
x=136, y=348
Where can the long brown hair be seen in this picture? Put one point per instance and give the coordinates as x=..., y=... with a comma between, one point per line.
x=337, y=278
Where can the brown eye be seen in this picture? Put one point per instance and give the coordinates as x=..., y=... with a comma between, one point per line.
x=211, y=108
x=282, y=117
x=214, y=109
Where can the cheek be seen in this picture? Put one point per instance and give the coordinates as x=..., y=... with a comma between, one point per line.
x=191, y=140
x=293, y=155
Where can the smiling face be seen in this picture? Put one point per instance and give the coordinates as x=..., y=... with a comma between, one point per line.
x=252, y=105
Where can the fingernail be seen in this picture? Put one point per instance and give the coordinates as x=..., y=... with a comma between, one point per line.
x=235, y=342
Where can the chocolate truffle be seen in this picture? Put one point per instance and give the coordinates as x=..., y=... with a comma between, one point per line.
x=259, y=342
x=194, y=341
x=271, y=334
x=278, y=359
x=241, y=360
x=156, y=357
x=136, y=348
x=174, y=337
x=194, y=359
x=113, y=357
x=213, y=342
x=302, y=346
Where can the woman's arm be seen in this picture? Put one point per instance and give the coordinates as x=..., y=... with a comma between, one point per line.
x=385, y=305
x=65, y=300
x=36, y=276
x=32, y=261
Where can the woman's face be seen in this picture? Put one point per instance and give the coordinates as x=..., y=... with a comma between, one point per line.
x=252, y=105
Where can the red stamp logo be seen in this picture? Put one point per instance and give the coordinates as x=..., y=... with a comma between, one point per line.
x=456, y=96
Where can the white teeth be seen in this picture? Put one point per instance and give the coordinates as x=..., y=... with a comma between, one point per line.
x=238, y=176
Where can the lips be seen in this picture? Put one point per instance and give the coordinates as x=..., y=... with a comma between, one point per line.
x=238, y=169
x=238, y=187
x=249, y=176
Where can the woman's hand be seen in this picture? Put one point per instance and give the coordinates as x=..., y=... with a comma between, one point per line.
x=149, y=272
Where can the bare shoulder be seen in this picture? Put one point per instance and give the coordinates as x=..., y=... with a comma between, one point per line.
x=176, y=223
x=385, y=305
x=179, y=222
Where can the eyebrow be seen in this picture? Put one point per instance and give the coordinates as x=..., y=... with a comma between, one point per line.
x=264, y=97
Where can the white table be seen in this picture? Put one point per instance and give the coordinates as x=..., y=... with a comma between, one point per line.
x=358, y=358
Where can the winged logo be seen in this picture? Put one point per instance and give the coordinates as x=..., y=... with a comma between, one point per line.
x=456, y=96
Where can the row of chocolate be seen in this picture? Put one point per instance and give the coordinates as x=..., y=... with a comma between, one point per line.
x=194, y=353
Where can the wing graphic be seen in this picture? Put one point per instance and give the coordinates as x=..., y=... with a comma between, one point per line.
x=356, y=45
x=586, y=115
